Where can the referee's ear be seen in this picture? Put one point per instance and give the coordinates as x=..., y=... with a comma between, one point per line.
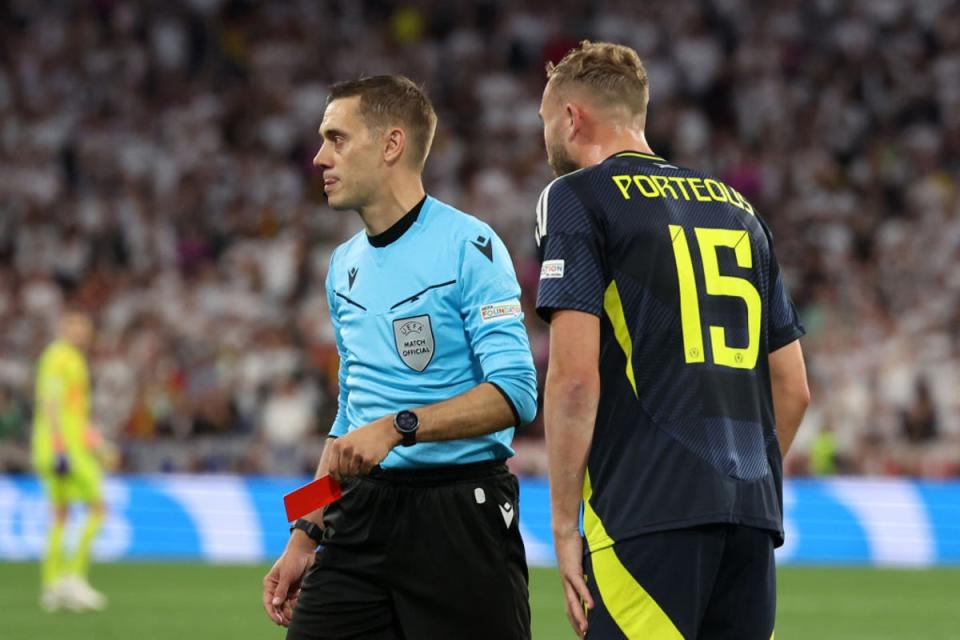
x=395, y=145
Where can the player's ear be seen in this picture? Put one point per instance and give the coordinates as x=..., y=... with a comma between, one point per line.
x=394, y=145
x=574, y=119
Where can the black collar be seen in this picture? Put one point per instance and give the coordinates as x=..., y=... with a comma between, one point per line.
x=399, y=227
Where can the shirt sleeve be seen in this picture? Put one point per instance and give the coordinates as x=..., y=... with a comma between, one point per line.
x=784, y=323
x=571, y=256
x=52, y=379
x=340, y=423
x=493, y=320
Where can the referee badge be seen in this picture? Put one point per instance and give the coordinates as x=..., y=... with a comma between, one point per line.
x=414, y=339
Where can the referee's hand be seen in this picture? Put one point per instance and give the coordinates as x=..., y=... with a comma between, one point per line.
x=281, y=585
x=359, y=451
x=569, y=548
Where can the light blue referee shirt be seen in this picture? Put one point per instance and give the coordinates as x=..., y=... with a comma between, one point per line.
x=423, y=312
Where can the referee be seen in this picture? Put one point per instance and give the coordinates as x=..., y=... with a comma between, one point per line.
x=676, y=380
x=435, y=373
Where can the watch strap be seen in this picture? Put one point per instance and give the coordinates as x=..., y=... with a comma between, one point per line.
x=313, y=531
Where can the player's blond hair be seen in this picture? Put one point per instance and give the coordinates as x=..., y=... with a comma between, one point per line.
x=613, y=73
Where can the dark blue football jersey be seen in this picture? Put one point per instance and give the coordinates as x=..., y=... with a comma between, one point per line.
x=681, y=272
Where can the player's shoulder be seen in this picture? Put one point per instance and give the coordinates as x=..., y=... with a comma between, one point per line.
x=58, y=354
x=563, y=204
x=562, y=187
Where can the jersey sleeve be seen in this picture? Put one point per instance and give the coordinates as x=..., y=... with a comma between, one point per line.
x=51, y=379
x=493, y=320
x=340, y=423
x=784, y=323
x=571, y=262
x=59, y=388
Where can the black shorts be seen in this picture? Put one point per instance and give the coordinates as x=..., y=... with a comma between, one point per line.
x=419, y=555
x=712, y=582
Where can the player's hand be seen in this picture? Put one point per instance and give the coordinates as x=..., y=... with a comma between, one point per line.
x=61, y=465
x=569, y=548
x=358, y=452
x=281, y=585
x=108, y=455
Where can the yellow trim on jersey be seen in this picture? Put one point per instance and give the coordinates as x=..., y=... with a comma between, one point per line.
x=633, y=609
x=594, y=531
x=637, y=154
x=613, y=305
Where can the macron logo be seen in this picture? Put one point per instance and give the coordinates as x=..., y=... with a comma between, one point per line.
x=484, y=246
x=506, y=510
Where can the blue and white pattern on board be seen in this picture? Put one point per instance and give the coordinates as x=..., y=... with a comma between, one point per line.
x=877, y=522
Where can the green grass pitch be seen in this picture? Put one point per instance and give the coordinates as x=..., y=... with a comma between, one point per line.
x=193, y=601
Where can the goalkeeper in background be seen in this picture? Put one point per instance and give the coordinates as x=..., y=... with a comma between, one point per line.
x=68, y=455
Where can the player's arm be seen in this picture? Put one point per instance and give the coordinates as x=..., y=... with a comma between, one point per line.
x=571, y=395
x=791, y=395
x=788, y=374
x=52, y=389
x=570, y=297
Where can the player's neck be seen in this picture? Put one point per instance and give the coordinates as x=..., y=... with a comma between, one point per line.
x=396, y=200
x=622, y=141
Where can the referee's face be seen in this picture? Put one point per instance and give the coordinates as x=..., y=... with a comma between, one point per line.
x=348, y=156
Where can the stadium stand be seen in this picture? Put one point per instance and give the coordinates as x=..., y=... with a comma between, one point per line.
x=155, y=168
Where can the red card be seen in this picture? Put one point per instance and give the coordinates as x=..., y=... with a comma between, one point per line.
x=311, y=497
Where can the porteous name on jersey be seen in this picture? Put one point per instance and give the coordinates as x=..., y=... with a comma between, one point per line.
x=677, y=187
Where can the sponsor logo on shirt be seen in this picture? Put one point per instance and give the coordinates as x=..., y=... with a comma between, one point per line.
x=551, y=269
x=500, y=310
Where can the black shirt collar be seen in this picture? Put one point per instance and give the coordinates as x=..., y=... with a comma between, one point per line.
x=399, y=227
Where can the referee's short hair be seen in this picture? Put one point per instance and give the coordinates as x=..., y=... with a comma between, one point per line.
x=613, y=73
x=390, y=101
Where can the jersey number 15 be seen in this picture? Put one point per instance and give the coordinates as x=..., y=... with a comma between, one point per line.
x=716, y=285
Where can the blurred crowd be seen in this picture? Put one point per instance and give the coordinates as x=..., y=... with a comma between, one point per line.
x=155, y=169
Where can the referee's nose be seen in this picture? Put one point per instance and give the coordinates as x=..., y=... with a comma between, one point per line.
x=323, y=161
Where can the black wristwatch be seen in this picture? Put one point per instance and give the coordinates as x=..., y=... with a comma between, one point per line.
x=310, y=528
x=406, y=423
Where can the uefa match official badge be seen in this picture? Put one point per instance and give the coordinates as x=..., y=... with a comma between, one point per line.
x=414, y=339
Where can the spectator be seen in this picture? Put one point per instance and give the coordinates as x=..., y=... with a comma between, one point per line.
x=155, y=166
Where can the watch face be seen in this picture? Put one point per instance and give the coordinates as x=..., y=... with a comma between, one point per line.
x=407, y=421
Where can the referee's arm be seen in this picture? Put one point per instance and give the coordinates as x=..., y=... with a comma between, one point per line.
x=506, y=397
